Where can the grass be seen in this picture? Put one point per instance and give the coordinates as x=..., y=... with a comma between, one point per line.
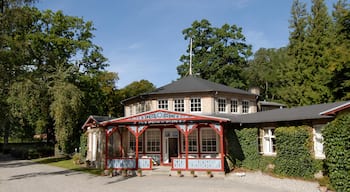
x=67, y=163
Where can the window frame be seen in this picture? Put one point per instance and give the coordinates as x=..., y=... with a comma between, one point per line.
x=222, y=105
x=202, y=140
x=195, y=105
x=234, y=106
x=180, y=105
x=268, y=141
x=245, y=108
x=132, y=140
x=163, y=104
x=153, y=141
x=192, y=137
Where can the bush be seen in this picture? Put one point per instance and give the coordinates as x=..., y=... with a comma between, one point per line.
x=337, y=149
x=248, y=139
x=29, y=150
x=293, y=147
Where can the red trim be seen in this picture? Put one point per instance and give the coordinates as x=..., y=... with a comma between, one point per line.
x=146, y=117
x=334, y=110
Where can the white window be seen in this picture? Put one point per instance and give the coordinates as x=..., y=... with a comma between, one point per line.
x=318, y=142
x=153, y=140
x=192, y=142
x=196, y=105
x=245, y=106
x=269, y=141
x=234, y=106
x=209, y=140
x=179, y=105
x=222, y=105
x=163, y=104
x=132, y=143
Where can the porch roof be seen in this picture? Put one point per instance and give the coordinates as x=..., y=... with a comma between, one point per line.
x=163, y=117
x=95, y=120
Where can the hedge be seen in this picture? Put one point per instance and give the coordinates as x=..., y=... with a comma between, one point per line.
x=293, y=147
x=337, y=149
x=248, y=138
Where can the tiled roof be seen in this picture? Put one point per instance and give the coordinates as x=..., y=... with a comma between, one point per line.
x=191, y=84
x=290, y=114
x=195, y=84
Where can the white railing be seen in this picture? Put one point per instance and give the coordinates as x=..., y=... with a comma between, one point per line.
x=197, y=164
x=129, y=163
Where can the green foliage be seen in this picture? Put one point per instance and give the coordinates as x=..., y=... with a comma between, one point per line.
x=83, y=146
x=293, y=146
x=235, y=153
x=337, y=149
x=219, y=54
x=248, y=139
x=267, y=70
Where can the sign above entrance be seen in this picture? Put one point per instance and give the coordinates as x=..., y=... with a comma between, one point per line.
x=162, y=116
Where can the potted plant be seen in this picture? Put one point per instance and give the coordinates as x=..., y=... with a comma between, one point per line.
x=139, y=172
x=179, y=173
x=193, y=173
x=124, y=172
x=209, y=173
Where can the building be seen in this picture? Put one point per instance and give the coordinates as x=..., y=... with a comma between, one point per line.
x=183, y=125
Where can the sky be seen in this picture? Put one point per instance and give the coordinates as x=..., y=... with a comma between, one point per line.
x=143, y=39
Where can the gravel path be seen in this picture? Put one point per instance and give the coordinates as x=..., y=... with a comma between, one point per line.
x=20, y=175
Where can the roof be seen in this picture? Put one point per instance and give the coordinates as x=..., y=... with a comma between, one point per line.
x=335, y=110
x=162, y=116
x=290, y=114
x=270, y=103
x=95, y=119
x=192, y=84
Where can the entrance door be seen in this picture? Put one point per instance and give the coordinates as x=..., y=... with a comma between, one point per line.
x=173, y=148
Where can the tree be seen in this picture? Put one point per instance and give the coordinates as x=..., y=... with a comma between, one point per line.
x=219, y=54
x=340, y=62
x=52, y=63
x=14, y=23
x=266, y=71
x=306, y=81
x=133, y=89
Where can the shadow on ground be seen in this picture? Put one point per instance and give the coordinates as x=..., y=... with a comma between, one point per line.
x=36, y=174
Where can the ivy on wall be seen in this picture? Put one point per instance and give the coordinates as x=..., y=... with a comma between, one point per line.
x=293, y=147
x=337, y=149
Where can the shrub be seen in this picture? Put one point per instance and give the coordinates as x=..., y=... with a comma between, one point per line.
x=293, y=147
x=337, y=149
x=248, y=139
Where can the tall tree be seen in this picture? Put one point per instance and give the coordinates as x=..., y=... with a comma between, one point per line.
x=340, y=62
x=307, y=79
x=219, y=54
x=14, y=23
x=53, y=63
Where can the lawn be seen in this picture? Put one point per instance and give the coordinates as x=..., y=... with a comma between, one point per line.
x=67, y=163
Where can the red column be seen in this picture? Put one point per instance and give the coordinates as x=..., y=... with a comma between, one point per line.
x=186, y=147
x=222, y=148
x=106, y=150
x=137, y=150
